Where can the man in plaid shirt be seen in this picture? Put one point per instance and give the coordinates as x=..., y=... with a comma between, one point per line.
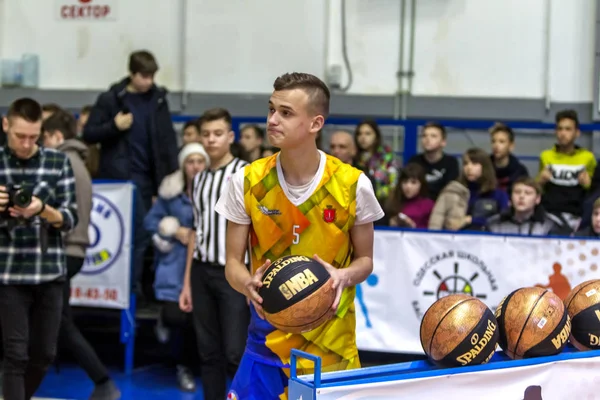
x=32, y=273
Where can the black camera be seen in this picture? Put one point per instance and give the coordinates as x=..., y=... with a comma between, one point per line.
x=18, y=196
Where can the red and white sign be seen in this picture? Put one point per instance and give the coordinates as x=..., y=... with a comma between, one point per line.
x=86, y=10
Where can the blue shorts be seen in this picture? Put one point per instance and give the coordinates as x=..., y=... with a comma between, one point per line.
x=257, y=381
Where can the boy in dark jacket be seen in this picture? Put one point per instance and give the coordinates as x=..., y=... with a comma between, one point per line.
x=132, y=123
x=526, y=216
x=507, y=166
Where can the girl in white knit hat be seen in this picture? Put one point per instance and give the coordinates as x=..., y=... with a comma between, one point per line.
x=170, y=222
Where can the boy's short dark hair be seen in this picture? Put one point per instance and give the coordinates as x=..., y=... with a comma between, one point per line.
x=568, y=114
x=61, y=121
x=317, y=90
x=214, y=114
x=437, y=125
x=500, y=127
x=142, y=62
x=528, y=181
x=26, y=108
x=190, y=123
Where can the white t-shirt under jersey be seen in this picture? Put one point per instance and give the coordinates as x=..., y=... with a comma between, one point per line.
x=231, y=204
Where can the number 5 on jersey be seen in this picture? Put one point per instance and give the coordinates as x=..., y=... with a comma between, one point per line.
x=296, y=233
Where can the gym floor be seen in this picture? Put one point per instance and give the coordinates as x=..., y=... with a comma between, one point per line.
x=154, y=376
x=152, y=382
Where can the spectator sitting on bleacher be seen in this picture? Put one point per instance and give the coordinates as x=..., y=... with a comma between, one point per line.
x=190, y=133
x=343, y=147
x=592, y=227
x=252, y=138
x=566, y=171
x=170, y=221
x=467, y=203
x=375, y=158
x=508, y=167
x=440, y=168
x=526, y=216
x=409, y=205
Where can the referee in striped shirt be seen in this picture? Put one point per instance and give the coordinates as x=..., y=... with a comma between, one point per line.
x=221, y=314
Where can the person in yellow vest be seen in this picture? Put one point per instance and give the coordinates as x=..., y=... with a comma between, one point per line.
x=289, y=203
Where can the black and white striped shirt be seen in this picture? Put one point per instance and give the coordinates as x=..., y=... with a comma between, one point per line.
x=208, y=186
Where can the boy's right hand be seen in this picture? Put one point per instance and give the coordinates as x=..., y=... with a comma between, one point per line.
x=123, y=121
x=252, y=285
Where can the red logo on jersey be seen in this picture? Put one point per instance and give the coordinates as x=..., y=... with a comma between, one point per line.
x=329, y=214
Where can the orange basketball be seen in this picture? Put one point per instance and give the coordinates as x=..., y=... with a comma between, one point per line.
x=459, y=330
x=533, y=322
x=583, y=306
x=297, y=294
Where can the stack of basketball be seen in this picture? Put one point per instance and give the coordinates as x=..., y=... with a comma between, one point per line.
x=530, y=322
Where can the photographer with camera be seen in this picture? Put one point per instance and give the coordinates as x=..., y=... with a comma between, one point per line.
x=37, y=204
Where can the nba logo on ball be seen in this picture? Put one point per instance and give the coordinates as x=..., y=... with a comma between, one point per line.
x=106, y=234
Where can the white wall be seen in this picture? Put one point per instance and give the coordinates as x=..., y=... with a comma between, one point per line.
x=483, y=48
x=91, y=55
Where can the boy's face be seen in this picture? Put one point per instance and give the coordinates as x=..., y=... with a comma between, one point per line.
x=191, y=135
x=432, y=139
x=501, y=145
x=142, y=82
x=249, y=140
x=524, y=198
x=216, y=137
x=291, y=121
x=566, y=132
x=53, y=139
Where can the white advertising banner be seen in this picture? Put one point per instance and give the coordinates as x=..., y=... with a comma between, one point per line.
x=414, y=269
x=104, y=280
x=568, y=379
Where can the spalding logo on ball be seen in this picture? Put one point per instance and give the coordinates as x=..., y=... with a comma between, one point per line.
x=297, y=294
x=459, y=330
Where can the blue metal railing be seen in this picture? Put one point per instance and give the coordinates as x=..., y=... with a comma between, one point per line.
x=411, y=127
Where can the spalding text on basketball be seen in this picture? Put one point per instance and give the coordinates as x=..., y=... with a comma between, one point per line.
x=297, y=283
x=478, y=344
x=594, y=340
x=269, y=278
x=563, y=336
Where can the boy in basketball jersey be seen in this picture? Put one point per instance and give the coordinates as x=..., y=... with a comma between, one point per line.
x=299, y=201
